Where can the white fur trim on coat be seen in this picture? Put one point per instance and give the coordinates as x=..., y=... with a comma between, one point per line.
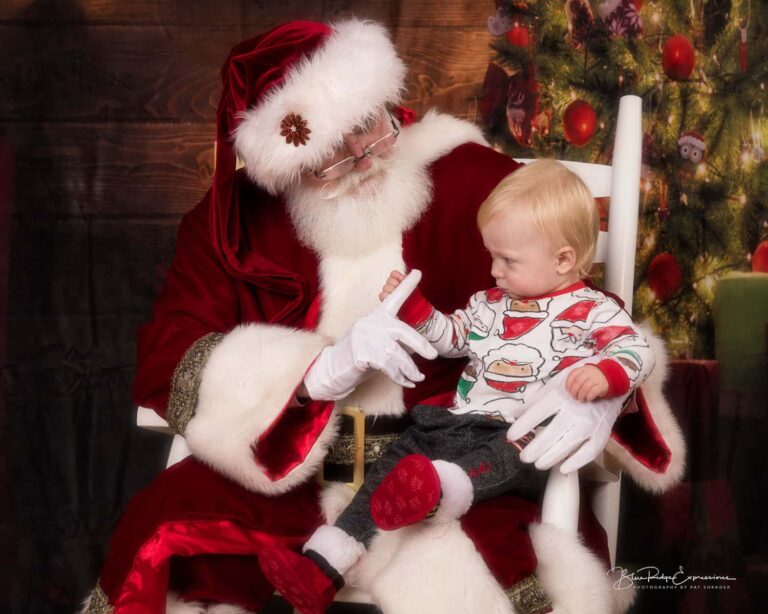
x=665, y=421
x=345, y=81
x=573, y=578
x=248, y=380
x=435, y=568
x=426, y=567
x=434, y=136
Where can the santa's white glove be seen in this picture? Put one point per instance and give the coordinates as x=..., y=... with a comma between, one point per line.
x=578, y=431
x=374, y=342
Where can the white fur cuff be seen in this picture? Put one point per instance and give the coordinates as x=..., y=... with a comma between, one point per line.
x=457, y=491
x=337, y=547
x=246, y=384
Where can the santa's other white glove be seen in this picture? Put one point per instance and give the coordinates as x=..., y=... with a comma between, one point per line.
x=577, y=434
x=374, y=342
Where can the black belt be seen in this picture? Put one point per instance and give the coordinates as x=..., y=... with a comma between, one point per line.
x=362, y=440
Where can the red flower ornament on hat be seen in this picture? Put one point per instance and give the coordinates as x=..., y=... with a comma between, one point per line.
x=294, y=129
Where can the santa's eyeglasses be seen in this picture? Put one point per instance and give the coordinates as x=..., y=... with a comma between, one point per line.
x=372, y=150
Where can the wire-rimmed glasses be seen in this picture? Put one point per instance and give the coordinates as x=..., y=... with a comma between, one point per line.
x=372, y=150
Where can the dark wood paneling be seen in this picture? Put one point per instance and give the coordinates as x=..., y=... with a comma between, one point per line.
x=176, y=12
x=419, y=13
x=446, y=67
x=112, y=73
x=111, y=169
x=134, y=256
x=253, y=13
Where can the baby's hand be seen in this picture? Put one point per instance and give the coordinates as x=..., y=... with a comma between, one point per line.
x=587, y=383
x=393, y=281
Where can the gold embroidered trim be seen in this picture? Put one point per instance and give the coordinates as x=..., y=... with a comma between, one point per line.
x=528, y=597
x=342, y=451
x=182, y=401
x=99, y=603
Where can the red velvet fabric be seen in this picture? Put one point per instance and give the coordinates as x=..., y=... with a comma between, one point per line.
x=636, y=431
x=499, y=528
x=285, y=445
x=188, y=511
x=254, y=67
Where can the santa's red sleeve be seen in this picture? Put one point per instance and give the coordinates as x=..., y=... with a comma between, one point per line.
x=226, y=386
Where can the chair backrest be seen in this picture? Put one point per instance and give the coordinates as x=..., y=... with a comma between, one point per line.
x=616, y=248
x=621, y=183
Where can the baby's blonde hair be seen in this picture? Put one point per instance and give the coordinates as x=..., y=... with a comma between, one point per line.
x=556, y=201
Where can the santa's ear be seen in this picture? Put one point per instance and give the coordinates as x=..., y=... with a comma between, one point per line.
x=566, y=259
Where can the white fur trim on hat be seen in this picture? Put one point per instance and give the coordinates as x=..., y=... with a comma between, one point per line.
x=355, y=71
x=246, y=383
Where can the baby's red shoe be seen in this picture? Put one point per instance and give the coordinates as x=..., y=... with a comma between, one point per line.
x=406, y=495
x=299, y=579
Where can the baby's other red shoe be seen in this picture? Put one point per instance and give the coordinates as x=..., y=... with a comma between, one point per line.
x=299, y=579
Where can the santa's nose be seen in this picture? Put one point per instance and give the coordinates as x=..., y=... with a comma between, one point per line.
x=356, y=145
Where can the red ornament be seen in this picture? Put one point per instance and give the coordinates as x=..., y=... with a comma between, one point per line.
x=760, y=258
x=579, y=121
x=518, y=36
x=664, y=276
x=678, y=58
x=638, y=4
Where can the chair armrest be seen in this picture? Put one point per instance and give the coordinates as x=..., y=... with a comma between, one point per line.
x=562, y=496
x=603, y=469
x=148, y=419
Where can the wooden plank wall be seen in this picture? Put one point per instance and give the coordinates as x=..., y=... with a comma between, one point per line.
x=107, y=108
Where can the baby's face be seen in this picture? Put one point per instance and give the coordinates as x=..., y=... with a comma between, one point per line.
x=525, y=262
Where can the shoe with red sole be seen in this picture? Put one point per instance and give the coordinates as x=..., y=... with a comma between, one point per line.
x=300, y=580
x=407, y=494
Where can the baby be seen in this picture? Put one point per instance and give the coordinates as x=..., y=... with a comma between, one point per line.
x=540, y=226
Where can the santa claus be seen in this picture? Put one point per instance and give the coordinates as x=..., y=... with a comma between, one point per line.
x=270, y=324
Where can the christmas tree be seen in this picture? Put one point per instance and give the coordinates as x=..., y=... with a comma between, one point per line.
x=552, y=89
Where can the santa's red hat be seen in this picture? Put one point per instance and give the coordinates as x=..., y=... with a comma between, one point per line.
x=291, y=94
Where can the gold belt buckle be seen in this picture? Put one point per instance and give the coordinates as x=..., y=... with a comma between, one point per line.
x=358, y=441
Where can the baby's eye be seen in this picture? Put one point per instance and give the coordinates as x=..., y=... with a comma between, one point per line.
x=509, y=261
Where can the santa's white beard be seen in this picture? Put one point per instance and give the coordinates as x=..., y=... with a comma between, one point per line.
x=362, y=211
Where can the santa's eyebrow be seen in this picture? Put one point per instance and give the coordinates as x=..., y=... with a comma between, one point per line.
x=367, y=124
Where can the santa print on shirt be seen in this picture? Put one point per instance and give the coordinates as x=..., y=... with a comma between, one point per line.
x=516, y=345
x=522, y=317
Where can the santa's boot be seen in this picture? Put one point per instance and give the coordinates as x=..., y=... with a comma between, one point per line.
x=309, y=581
x=419, y=489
